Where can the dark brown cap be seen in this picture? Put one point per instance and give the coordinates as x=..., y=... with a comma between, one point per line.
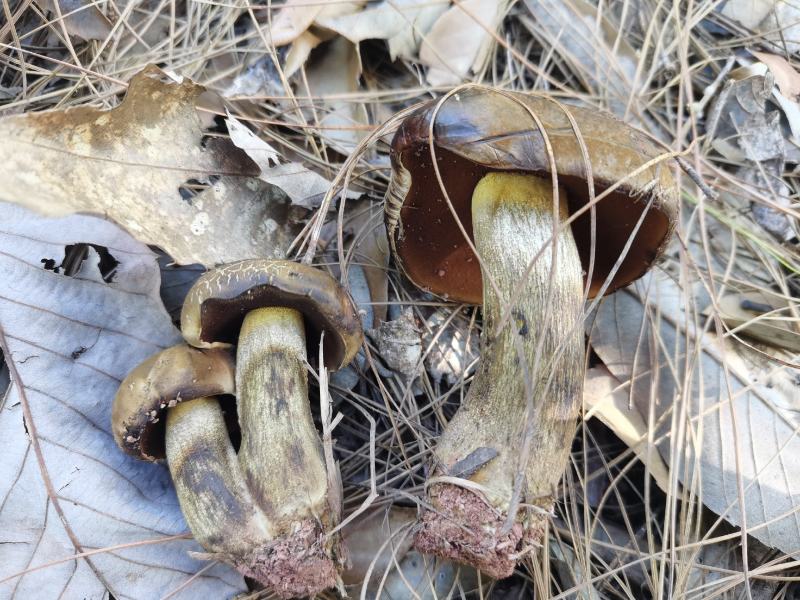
x=177, y=374
x=218, y=302
x=478, y=130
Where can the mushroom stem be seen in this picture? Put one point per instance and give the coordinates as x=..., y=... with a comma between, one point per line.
x=215, y=502
x=281, y=454
x=512, y=220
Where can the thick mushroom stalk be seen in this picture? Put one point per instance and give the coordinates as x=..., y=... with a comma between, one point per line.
x=512, y=221
x=214, y=500
x=281, y=455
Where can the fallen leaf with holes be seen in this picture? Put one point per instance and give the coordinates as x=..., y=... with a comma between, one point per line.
x=146, y=165
x=721, y=415
x=65, y=486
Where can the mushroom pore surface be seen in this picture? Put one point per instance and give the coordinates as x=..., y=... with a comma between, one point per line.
x=478, y=131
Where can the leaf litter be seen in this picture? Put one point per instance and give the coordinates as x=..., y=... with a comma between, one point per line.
x=631, y=521
x=67, y=365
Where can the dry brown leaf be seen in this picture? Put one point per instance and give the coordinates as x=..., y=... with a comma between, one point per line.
x=606, y=398
x=303, y=186
x=129, y=164
x=459, y=41
x=721, y=415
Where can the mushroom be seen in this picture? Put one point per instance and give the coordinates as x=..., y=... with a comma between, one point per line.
x=272, y=309
x=513, y=169
x=182, y=382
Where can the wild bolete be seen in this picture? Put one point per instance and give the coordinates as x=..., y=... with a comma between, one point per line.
x=182, y=382
x=514, y=170
x=271, y=309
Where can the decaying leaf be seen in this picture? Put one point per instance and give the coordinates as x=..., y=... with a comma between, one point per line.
x=146, y=165
x=722, y=416
x=744, y=127
x=459, y=41
x=66, y=487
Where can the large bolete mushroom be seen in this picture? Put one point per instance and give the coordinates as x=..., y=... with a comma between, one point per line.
x=271, y=309
x=500, y=157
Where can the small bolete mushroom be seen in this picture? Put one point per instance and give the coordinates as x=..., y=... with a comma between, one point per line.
x=500, y=157
x=182, y=382
x=271, y=309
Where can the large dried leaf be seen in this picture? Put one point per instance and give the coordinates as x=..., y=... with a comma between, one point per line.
x=722, y=416
x=70, y=341
x=129, y=164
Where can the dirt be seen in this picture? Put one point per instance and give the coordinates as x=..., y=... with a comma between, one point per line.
x=466, y=529
x=295, y=565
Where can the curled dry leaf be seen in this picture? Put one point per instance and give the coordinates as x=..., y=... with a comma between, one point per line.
x=296, y=16
x=70, y=341
x=146, y=165
x=332, y=75
x=721, y=415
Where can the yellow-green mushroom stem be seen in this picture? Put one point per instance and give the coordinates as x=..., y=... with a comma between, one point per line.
x=513, y=219
x=215, y=502
x=281, y=455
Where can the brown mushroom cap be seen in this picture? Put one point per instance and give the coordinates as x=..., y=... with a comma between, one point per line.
x=174, y=375
x=479, y=130
x=218, y=302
